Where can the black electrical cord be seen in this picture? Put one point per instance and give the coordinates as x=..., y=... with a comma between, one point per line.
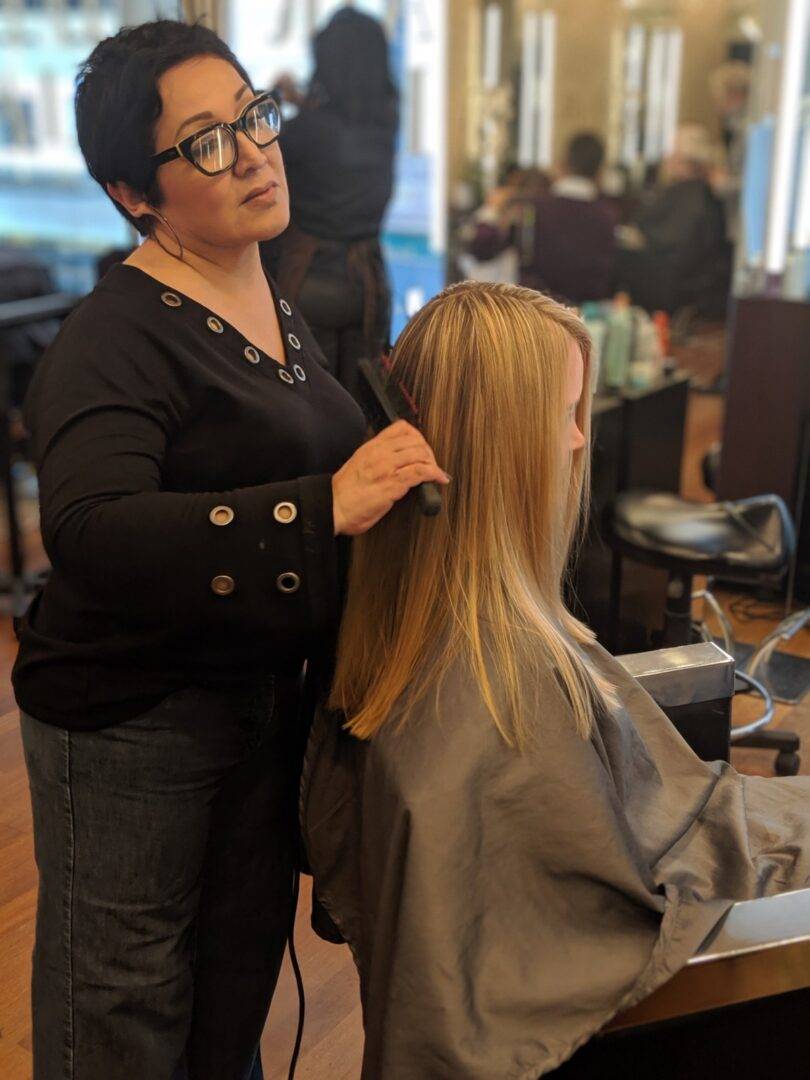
x=299, y=982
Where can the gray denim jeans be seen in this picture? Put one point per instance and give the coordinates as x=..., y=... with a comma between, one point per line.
x=165, y=847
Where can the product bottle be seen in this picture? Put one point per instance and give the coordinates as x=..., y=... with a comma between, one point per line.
x=594, y=318
x=618, y=342
x=661, y=322
x=646, y=365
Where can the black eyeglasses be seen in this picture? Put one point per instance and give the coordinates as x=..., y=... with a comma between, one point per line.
x=214, y=150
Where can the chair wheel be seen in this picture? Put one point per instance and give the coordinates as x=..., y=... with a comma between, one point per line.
x=787, y=764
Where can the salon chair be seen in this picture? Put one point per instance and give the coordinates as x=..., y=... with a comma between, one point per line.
x=739, y=1007
x=745, y=541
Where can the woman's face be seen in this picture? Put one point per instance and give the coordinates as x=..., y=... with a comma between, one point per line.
x=573, y=437
x=216, y=210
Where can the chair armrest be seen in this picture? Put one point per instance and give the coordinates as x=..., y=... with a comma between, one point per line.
x=694, y=685
x=760, y=949
x=683, y=675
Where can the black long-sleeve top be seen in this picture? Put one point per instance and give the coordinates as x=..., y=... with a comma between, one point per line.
x=186, y=502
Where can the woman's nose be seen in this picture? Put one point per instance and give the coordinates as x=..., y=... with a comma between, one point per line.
x=250, y=155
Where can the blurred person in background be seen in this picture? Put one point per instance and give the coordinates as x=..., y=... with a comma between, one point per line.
x=339, y=157
x=561, y=232
x=496, y=237
x=573, y=247
x=675, y=254
x=730, y=85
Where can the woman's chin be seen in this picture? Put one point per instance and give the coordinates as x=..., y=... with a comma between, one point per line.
x=271, y=222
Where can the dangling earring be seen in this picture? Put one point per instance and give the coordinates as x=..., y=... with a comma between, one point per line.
x=172, y=230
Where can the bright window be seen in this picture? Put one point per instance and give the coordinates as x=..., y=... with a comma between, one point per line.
x=48, y=203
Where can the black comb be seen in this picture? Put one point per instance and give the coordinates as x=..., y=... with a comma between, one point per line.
x=384, y=402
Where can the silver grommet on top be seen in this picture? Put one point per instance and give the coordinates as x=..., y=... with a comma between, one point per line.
x=171, y=299
x=252, y=354
x=285, y=307
x=221, y=515
x=214, y=324
x=299, y=372
x=288, y=582
x=285, y=376
x=285, y=512
x=293, y=340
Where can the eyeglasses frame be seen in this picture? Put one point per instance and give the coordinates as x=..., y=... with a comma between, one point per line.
x=182, y=149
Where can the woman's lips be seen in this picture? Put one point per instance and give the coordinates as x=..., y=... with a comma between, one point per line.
x=264, y=197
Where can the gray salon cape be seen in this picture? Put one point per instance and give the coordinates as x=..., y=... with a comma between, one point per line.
x=502, y=907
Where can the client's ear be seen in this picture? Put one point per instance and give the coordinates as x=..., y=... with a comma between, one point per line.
x=131, y=200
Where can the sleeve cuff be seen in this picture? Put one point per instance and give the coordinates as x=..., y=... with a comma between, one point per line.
x=320, y=549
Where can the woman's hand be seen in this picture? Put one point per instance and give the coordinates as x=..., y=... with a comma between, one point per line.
x=286, y=88
x=378, y=475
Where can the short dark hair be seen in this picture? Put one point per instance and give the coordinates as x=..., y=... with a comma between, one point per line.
x=118, y=103
x=585, y=155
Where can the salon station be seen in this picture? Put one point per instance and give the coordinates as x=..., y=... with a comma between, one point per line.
x=647, y=164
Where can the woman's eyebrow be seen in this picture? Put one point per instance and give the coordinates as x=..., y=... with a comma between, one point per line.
x=208, y=115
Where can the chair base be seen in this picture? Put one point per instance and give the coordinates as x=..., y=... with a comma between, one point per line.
x=786, y=743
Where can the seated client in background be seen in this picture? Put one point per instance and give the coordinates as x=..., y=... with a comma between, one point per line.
x=507, y=830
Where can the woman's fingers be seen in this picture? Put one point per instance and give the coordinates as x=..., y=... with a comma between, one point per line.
x=396, y=431
x=419, y=473
x=393, y=468
x=380, y=473
x=397, y=446
x=400, y=448
x=411, y=455
x=402, y=436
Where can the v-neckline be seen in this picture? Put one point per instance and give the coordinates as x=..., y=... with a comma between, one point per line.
x=210, y=312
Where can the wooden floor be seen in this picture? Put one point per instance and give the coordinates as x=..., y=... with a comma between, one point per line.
x=333, y=1038
x=332, y=1047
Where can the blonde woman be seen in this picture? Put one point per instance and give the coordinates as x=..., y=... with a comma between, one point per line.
x=506, y=829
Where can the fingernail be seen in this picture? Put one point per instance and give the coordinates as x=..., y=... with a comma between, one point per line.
x=447, y=477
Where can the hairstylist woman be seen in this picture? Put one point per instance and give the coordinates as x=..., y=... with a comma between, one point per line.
x=196, y=465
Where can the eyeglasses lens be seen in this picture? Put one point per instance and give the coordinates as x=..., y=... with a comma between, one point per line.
x=263, y=122
x=214, y=151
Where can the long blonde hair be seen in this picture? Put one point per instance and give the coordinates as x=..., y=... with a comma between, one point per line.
x=483, y=582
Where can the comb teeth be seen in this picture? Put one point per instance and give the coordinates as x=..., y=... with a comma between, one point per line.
x=407, y=397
